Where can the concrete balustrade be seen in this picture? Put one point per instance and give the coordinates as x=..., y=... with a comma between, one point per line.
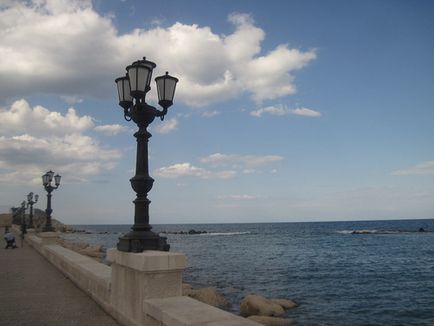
x=138, y=288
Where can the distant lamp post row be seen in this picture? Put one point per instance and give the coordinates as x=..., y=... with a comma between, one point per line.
x=30, y=203
x=132, y=90
x=47, y=178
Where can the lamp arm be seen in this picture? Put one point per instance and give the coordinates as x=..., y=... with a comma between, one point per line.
x=161, y=114
x=127, y=115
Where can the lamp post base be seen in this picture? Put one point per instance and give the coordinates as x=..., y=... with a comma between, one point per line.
x=139, y=241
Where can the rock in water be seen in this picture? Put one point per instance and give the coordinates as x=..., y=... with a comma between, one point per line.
x=206, y=295
x=271, y=321
x=254, y=304
x=284, y=303
x=92, y=251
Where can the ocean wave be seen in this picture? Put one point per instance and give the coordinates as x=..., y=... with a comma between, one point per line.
x=223, y=233
x=374, y=231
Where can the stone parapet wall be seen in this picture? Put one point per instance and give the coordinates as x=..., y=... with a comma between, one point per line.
x=185, y=311
x=137, y=289
x=92, y=277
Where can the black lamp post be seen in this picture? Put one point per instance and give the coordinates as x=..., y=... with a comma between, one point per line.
x=47, y=178
x=132, y=91
x=30, y=203
x=23, y=218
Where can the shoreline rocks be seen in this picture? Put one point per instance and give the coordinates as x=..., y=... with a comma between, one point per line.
x=253, y=304
x=208, y=295
x=266, y=311
x=189, y=232
x=94, y=251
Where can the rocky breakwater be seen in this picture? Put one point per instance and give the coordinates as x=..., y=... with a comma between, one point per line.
x=265, y=311
x=189, y=232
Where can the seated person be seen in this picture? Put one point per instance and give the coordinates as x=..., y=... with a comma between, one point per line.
x=10, y=240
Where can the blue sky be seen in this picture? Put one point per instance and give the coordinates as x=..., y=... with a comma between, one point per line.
x=285, y=110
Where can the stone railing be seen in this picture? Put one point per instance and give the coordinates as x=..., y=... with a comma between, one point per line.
x=138, y=288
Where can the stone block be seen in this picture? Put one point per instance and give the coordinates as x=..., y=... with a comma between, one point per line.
x=48, y=238
x=148, y=261
x=185, y=311
x=139, y=276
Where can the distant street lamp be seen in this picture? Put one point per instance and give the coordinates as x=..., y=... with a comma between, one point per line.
x=30, y=203
x=47, y=178
x=132, y=91
x=23, y=218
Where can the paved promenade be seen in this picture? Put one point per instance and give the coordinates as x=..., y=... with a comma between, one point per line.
x=33, y=292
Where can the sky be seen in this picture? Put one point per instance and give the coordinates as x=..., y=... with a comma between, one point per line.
x=285, y=111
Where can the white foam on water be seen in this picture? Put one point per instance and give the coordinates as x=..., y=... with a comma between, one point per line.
x=223, y=233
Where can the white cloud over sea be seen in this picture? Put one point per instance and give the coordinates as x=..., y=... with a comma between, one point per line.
x=423, y=168
x=33, y=139
x=219, y=166
x=283, y=110
x=68, y=49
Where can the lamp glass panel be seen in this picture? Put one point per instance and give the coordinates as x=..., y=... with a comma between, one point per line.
x=169, y=89
x=123, y=86
x=45, y=179
x=126, y=90
x=160, y=87
x=150, y=65
x=132, y=75
x=57, y=179
x=119, y=86
x=143, y=74
x=138, y=75
x=166, y=87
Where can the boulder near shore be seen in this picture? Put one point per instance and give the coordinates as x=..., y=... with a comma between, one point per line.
x=208, y=295
x=266, y=311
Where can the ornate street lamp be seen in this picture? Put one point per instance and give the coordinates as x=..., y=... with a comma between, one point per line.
x=132, y=90
x=47, y=178
x=23, y=218
x=30, y=203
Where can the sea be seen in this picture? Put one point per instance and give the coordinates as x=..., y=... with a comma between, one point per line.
x=340, y=273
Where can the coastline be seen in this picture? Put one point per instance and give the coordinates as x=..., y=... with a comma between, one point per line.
x=267, y=311
x=302, y=261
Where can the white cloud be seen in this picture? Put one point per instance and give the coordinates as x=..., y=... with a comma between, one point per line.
x=282, y=110
x=424, y=168
x=33, y=140
x=306, y=112
x=21, y=118
x=76, y=52
x=248, y=161
x=222, y=166
x=189, y=170
x=111, y=130
x=167, y=126
x=72, y=99
x=210, y=114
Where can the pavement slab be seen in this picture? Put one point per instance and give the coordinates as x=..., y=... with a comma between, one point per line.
x=34, y=292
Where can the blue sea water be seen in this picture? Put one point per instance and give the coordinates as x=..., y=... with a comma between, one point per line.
x=384, y=276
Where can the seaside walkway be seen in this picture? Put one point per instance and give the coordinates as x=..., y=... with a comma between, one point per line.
x=34, y=292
